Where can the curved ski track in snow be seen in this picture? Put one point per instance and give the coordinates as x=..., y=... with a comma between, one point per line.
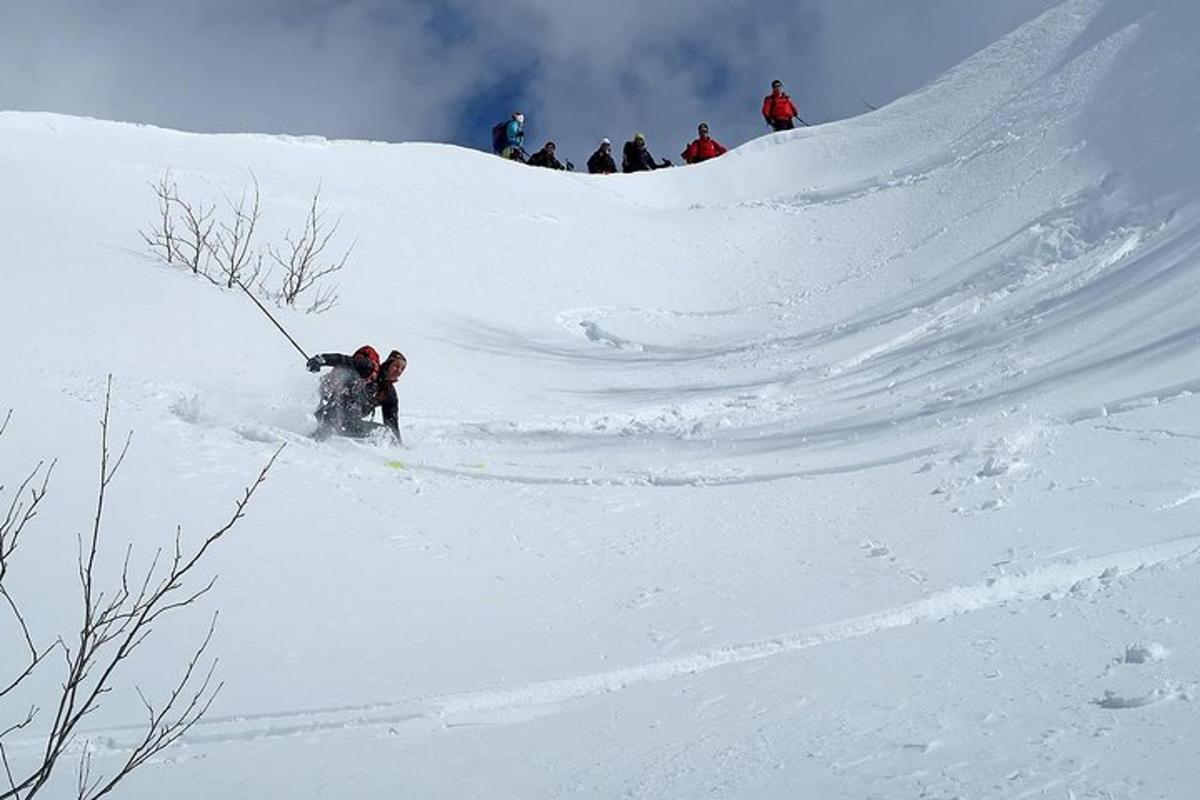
x=443, y=711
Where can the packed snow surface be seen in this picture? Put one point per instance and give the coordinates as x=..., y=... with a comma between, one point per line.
x=859, y=462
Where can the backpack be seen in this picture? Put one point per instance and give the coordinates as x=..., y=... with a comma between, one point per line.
x=341, y=381
x=499, y=137
x=371, y=354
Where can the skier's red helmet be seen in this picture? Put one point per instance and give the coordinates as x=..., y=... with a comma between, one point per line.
x=372, y=355
x=369, y=352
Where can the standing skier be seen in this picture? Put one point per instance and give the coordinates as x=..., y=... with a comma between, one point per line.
x=703, y=148
x=778, y=109
x=353, y=389
x=508, y=138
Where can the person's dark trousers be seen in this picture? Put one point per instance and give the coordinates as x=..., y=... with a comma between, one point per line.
x=339, y=418
x=782, y=124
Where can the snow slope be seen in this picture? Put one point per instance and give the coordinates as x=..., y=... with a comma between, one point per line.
x=861, y=462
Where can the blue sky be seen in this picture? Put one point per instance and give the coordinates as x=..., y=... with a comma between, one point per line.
x=446, y=70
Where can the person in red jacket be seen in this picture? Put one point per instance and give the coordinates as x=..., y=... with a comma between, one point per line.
x=704, y=148
x=777, y=108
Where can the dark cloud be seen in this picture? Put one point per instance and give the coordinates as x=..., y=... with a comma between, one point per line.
x=445, y=69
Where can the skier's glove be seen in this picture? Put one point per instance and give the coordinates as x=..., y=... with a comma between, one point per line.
x=315, y=363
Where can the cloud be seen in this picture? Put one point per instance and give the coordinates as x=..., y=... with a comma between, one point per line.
x=340, y=69
x=446, y=69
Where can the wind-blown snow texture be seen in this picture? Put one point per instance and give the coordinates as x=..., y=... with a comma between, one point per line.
x=860, y=462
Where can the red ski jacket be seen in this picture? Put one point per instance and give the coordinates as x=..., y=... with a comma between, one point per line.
x=778, y=107
x=702, y=150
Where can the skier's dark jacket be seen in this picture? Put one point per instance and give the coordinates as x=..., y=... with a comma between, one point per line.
x=357, y=385
x=635, y=159
x=601, y=163
x=544, y=158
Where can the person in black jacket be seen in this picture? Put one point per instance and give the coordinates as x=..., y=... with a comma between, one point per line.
x=545, y=158
x=353, y=389
x=601, y=162
x=636, y=158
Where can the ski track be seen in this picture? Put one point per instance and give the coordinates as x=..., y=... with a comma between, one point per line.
x=665, y=480
x=441, y=712
x=1182, y=501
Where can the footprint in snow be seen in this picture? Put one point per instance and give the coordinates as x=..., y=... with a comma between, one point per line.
x=995, y=467
x=1144, y=653
x=1114, y=700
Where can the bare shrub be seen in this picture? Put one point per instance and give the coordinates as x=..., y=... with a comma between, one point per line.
x=235, y=255
x=182, y=232
x=223, y=250
x=194, y=249
x=115, y=620
x=160, y=236
x=304, y=262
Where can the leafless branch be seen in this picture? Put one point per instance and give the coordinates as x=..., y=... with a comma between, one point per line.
x=235, y=256
x=8, y=773
x=167, y=724
x=303, y=260
x=181, y=233
x=114, y=623
x=195, y=248
x=20, y=512
x=325, y=298
x=16, y=726
x=160, y=237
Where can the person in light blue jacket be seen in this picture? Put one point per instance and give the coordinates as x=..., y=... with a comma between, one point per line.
x=508, y=138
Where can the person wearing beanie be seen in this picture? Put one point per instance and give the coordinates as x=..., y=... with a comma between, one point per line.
x=636, y=157
x=601, y=162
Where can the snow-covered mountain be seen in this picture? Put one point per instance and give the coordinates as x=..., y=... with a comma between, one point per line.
x=859, y=462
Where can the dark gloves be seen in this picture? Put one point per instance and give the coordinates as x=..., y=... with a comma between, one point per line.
x=315, y=363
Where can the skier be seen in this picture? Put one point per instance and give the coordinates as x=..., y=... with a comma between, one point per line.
x=636, y=158
x=353, y=389
x=508, y=138
x=703, y=148
x=778, y=109
x=601, y=162
x=545, y=158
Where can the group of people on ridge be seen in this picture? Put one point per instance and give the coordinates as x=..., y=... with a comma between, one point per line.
x=508, y=141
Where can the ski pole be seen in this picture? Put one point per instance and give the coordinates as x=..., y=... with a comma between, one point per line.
x=802, y=122
x=268, y=313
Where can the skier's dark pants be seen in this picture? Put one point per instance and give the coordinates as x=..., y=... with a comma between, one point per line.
x=343, y=419
x=782, y=124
